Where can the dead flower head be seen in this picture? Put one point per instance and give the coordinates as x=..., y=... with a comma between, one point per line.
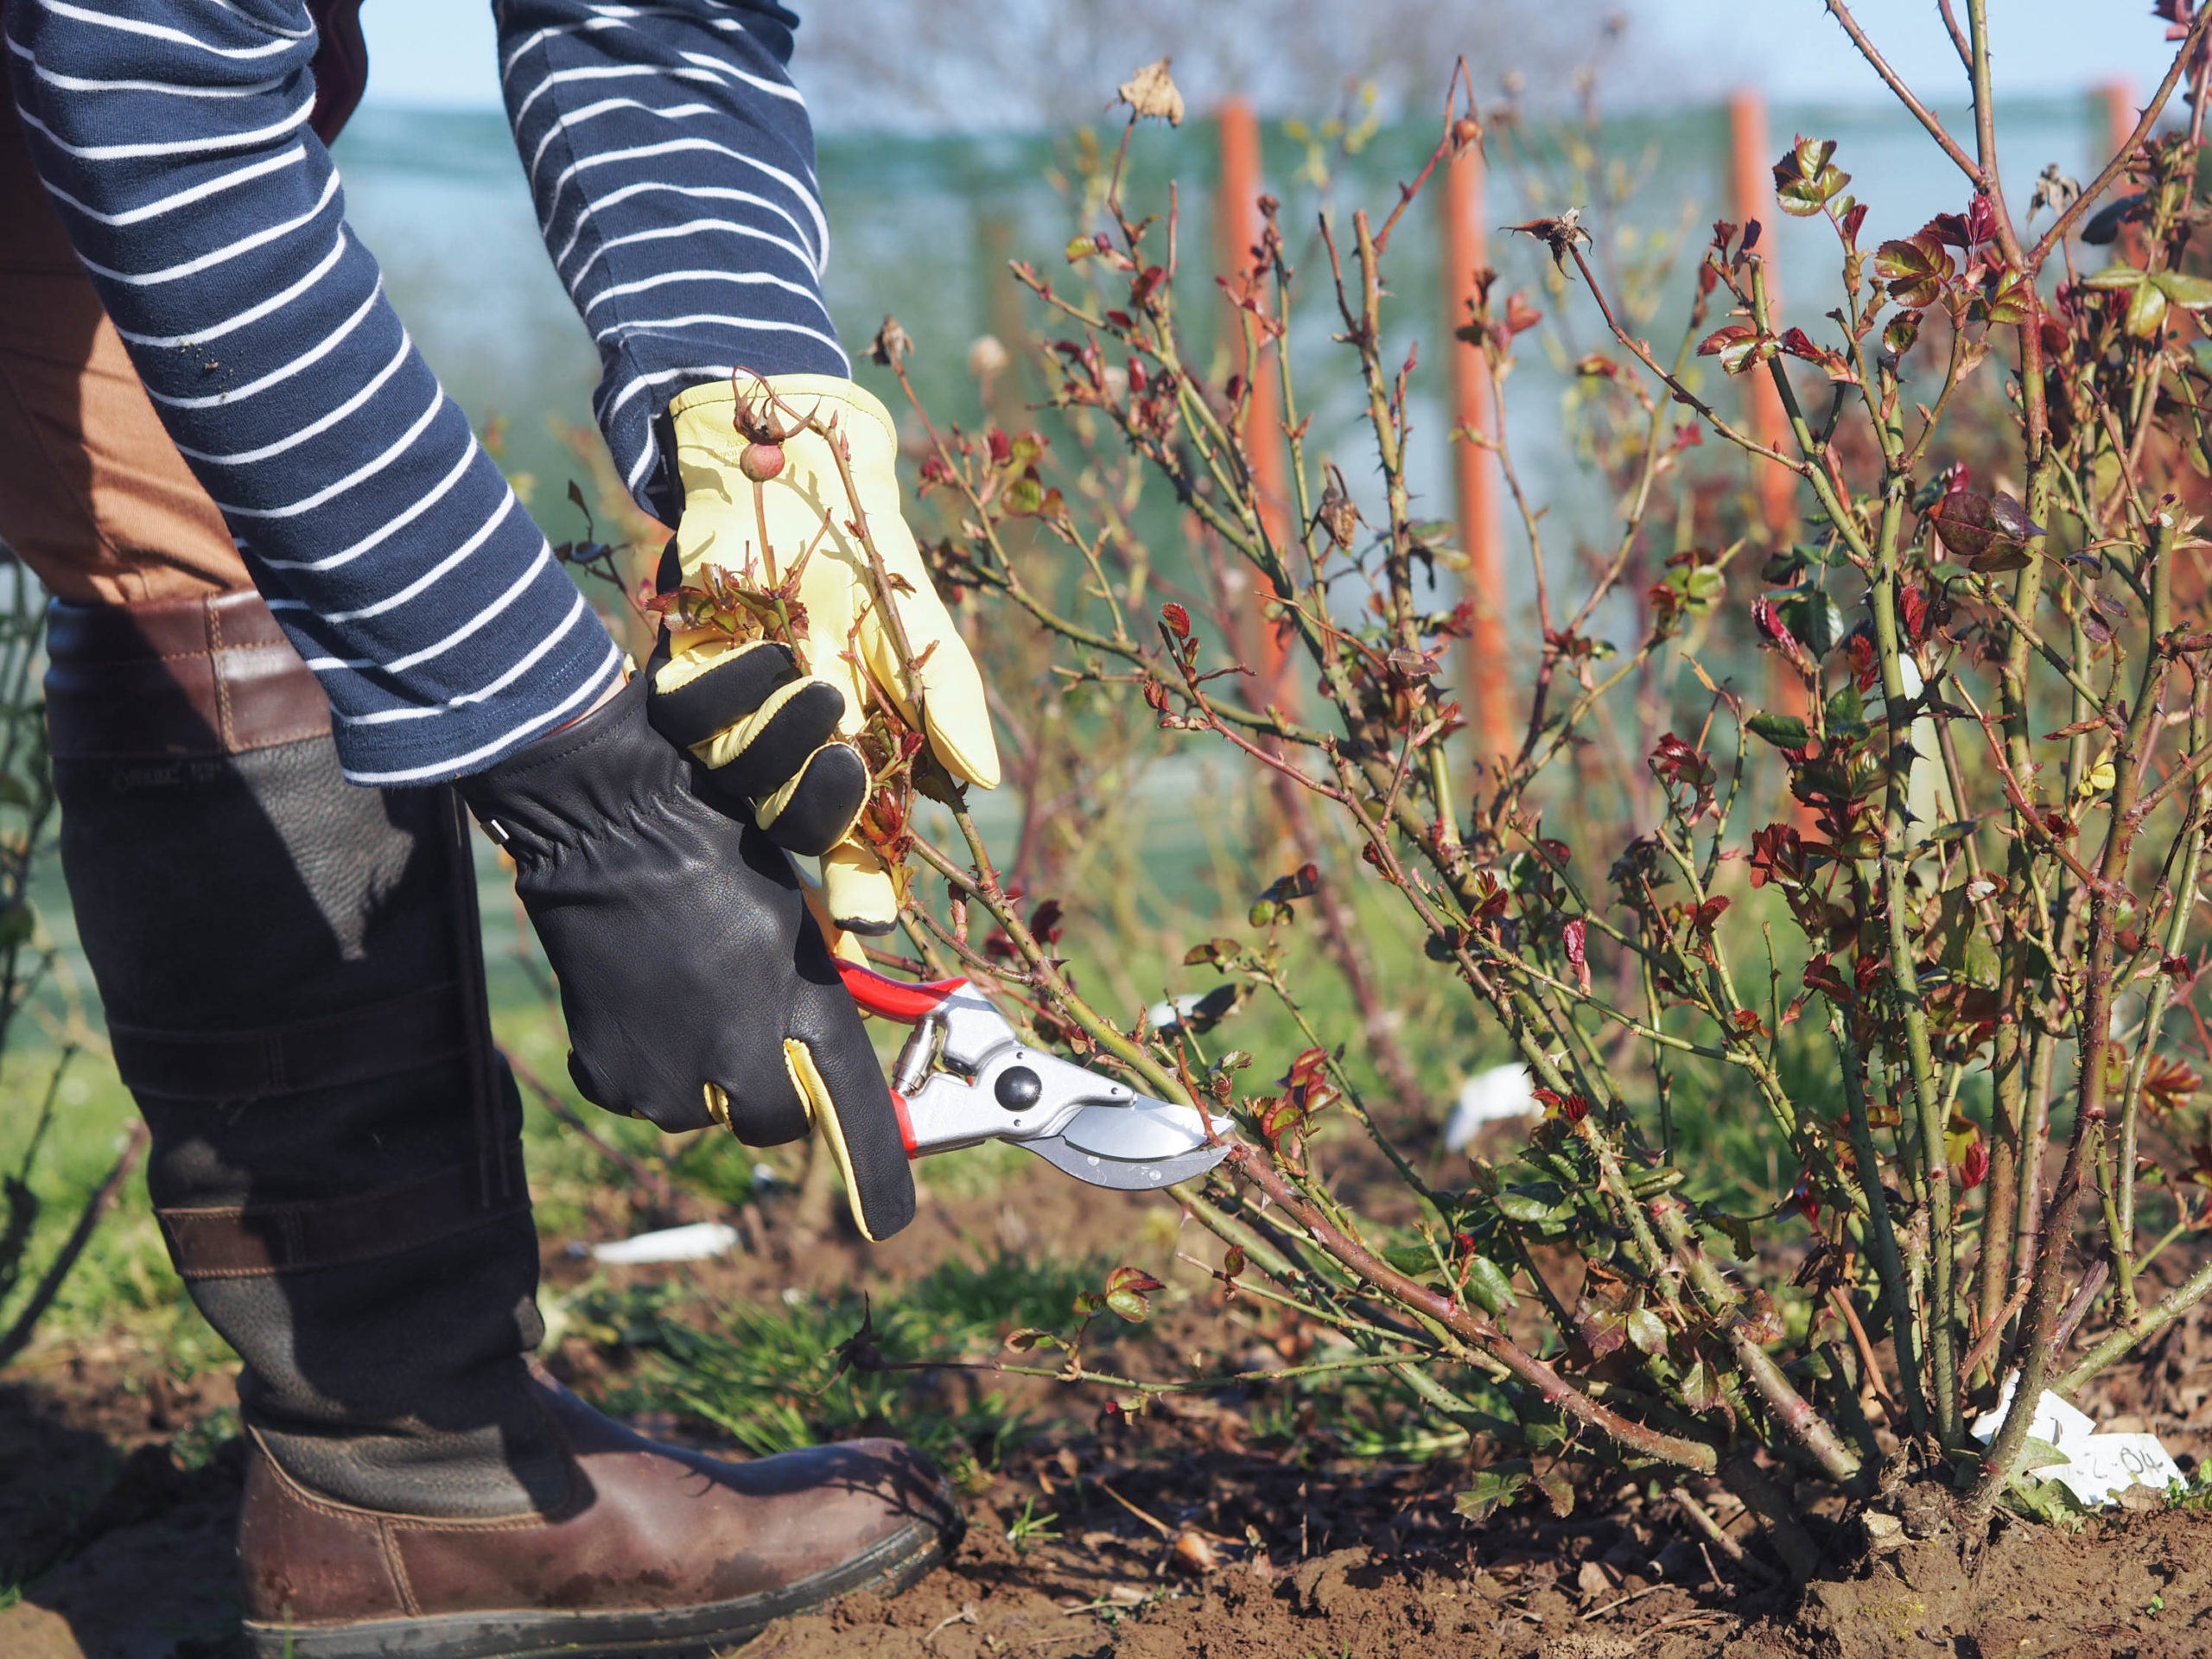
x=1558, y=235
x=1150, y=92
x=891, y=344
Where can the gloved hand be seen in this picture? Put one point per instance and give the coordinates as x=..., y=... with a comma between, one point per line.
x=744, y=708
x=696, y=985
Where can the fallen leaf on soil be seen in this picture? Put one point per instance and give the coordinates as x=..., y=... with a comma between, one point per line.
x=1194, y=1551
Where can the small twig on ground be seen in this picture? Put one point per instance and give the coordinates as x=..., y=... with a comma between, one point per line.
x=966, y=1615
x=1160, y=1526
x=1702, y=1518
x=1633, y=1595
x=49, y=1285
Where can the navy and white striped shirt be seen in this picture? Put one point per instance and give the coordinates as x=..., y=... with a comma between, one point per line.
x=673, y=165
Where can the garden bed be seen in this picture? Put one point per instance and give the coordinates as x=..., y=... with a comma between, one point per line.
x=1217, y=1524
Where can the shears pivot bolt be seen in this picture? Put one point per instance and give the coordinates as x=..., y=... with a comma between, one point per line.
x=1019, y=1088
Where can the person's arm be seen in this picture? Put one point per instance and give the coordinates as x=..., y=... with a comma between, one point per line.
x=173, y=137
x=672, y=163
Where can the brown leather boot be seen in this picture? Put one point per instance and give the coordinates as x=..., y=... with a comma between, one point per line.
x=656, y=1551
x=293, y=981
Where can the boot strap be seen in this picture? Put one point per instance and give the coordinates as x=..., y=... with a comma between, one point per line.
x=255, y=1241
x=359, y=1046
x=172, y=679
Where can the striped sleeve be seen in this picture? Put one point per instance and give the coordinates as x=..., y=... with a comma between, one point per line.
x=172, y=136
x=673, y=165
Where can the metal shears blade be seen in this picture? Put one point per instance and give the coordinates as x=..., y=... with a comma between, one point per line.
x=964, y=1077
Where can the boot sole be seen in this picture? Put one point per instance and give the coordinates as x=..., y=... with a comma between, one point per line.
x=675, y=1633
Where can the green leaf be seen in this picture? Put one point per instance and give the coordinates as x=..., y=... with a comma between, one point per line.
x=1804, y=180
x=1648, y=1331
x=1024, y=495
x=2191, y=293
x=2116, y=277
x=1128, y=1294
x=2146, y=310
x=1943, y=834
x=1783, y=731
x=1737, y=1229
x=1737, y=348
x=1541, y=1202
x=1700, y=1388
x=1416, y=1260
x=1694, y=586
x=1916, y=269
x=2049, y=1501
x=2012, y=300
x=1490, y=1488
x=1813, y=617
x=1489, y=1284
x=17, y=923
x=2040, y=1454
x=1982, y=967
x=1902, y=330
x=1544, y=1431
x=1559, y=1492
x=1785, y=564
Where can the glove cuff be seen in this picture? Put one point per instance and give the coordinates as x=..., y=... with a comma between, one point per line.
x=559, y=789
x=700, y=413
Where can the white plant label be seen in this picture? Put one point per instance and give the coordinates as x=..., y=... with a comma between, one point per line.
x=2097, y=1466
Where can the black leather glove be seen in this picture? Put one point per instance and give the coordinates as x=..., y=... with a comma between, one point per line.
x=696, y=985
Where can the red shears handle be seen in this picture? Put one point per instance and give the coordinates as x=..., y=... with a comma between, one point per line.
x=905, y=1000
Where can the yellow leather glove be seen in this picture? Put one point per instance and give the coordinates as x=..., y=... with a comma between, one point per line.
x=772, y=737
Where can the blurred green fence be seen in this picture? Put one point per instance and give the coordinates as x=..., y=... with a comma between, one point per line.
x=922, y=227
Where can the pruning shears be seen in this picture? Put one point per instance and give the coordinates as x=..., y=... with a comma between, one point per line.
x=964, y=1077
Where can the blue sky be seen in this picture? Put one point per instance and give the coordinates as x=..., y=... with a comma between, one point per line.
x=439, y=51
x=1796, y=51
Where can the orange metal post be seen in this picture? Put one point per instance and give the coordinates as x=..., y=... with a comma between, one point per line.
x=1239, y=227
x=2117, y=100
x=1475, y=469
x=1751, y=187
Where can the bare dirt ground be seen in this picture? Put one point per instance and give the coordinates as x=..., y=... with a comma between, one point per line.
x=1386, y=1571
x=1182, y=1533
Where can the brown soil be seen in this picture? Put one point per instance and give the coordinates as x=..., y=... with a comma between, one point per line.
x=148, y=1564
x=1178, y=1534
x=2138, y=1585
x=122, y=1553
